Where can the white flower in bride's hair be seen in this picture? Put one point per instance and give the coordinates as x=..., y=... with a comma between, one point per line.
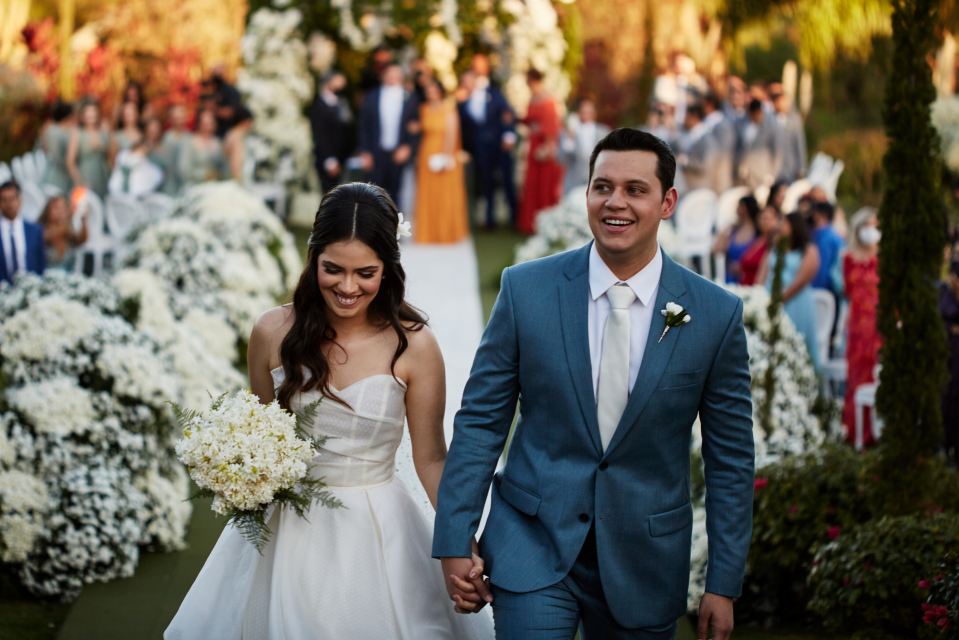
x=403, y=229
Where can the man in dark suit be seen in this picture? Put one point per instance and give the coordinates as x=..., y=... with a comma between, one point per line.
x=21, y=242
x=488, y=125
x=332, y=125
x=389, y=131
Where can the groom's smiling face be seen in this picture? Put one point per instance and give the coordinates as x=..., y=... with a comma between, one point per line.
x=625, y=204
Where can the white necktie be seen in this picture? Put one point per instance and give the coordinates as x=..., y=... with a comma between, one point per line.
x=613, y=388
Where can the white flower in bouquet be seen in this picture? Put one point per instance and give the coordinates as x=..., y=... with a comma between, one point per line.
x=55, y=406
x=249, y=456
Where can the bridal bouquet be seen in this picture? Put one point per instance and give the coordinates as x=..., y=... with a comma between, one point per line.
x=248, y=457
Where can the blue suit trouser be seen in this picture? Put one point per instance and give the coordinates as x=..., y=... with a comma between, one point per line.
x=488, y=168
x=556, y=612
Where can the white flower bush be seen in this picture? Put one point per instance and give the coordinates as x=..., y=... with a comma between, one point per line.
x=945, y=118
x=88, y=475
x=794, y=428
x=276, y=86
x=566, y=226
x=534, y=40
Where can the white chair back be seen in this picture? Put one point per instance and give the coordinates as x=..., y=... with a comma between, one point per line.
x=5, y=172
x=825, y=313
x=20, y=171
x=796, y=190
x=32, y=200
x=726, y=207
x=695, y=217
x=820, y=168
x=158, y=205
x=124, y=213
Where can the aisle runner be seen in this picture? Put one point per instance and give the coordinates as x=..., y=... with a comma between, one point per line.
x=442, y=281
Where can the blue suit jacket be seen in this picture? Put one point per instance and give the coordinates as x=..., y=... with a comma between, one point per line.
x=558, y=482
x=483, y=140
x=36, y=255
x=369, y=124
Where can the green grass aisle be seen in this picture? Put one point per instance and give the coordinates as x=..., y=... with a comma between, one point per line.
x=142, y=606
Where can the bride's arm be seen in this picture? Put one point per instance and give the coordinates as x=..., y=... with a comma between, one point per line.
x=264, y=343
x=425, y=407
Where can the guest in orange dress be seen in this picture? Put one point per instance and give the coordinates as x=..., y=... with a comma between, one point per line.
x=544, y=174
x=860, y=270
x=440, y=214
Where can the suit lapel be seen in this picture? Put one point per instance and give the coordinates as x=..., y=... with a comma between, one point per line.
x=657, y=354
x=574, y=316
x=3, y=264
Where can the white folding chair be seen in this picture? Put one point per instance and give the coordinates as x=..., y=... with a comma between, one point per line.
x=158, y=205
x=100, y=246
x=865, y=396
x=5, y=172
x=825, y=305
x=695, y=217
x=32, y=200
x=831, y=183
x=38, y=161
x=835, y=369
x=20, y=171
x=124, y=213
x=820, y=168
x=726, y=207
x=794, y=192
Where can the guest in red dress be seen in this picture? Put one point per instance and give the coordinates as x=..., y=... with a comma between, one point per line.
x=752, y=257
x=544, y=173
x=860, y=270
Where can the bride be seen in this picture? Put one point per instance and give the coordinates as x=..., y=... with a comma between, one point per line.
x=364, y=571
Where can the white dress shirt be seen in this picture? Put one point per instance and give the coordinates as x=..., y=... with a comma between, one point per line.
x=645, y=285
x=14, y=227
x=476, y=105
x=391, y=116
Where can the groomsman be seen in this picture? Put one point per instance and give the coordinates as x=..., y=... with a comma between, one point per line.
x=332, y=125
x=21, y=242
x=696, y=150
x=389, y=131
x=489, y=135
x=793, y=135
x=723, y=132
x=759, y=152
x=577, y=144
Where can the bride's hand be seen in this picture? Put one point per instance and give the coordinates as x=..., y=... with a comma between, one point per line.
x=468, y=588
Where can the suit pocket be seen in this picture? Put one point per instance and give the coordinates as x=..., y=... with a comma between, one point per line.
x=679, y=380
x=661, y=524
x=523, y=500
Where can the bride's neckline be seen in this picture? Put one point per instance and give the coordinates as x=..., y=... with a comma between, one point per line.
x=355, y=382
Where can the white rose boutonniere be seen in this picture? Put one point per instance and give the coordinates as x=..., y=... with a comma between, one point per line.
x=676, y=316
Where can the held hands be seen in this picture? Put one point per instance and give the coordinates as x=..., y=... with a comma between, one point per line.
x=715, y=611
x=467, y=587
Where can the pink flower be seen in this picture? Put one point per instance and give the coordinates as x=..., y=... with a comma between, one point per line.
x=759, y=483
x=833, y=532
x=923, y=584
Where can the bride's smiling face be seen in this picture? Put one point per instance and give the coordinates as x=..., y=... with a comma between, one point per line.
x=349, y=274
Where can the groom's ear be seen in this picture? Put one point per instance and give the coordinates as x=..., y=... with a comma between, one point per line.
x=668, y=206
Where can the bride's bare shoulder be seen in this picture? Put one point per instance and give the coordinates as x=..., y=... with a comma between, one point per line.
x=275, y=322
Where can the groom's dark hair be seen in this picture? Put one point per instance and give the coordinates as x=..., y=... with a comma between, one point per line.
x=626, y=139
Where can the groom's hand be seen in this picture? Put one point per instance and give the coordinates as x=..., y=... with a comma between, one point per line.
x=467, y=587
x=715, y=611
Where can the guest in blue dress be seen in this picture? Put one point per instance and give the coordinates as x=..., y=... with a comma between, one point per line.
x=800, y=265
x=734, y=242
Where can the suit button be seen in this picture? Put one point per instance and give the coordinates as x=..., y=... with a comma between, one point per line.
x=603, y=466
x=583, y=517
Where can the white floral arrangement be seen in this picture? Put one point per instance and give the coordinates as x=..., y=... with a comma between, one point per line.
x=250, y=457
x=945, y=118
x=534, y=40
x=794, y=428
x=566, y=226
x=276, y=86
x=88, y=474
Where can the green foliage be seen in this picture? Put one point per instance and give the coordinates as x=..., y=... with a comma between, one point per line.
x=941, y=609
x=868, y=580
x=914, y=352
x=775, y=303
x=861, y=150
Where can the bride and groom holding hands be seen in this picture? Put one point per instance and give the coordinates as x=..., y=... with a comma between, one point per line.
x=610, y=351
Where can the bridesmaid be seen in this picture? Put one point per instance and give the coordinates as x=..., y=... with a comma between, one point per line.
x=440, y=189
x=87, y=151
x=128, y=132
x=171, y=149
x=544, y=173
x=54, y=141
x=860, y=272
x=61, y=234
x=202, y=158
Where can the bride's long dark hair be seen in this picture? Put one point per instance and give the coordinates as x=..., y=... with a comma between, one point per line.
x=354, y=211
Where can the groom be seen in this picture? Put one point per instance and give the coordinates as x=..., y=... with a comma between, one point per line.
x=591, y=518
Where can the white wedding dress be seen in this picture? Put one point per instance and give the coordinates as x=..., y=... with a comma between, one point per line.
x=362, y=572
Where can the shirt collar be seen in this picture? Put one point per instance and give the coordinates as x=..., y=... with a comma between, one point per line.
x=11, y=224
x=643, y=283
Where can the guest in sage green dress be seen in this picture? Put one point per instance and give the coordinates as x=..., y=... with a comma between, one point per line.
x=54, y=140
x=202, y=158
x=127, y=132
x=61, y=233
x=171, y=148
x=87, y=151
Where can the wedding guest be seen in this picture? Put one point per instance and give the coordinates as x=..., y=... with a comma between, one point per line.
x=777, y=195
x=489, y=136
x=21, y=242
x=134, y=174
x=949, y=308
x=128, y=131
x=793, y=137
x=171, y=149
x=87, y=151
x=201, y=157
x=332, y=124
x=61, y=234
x=758, y=155
x=225, y=99
x=752, y=258
x=544, y=173
x=389, y=131
x=133, y=92
x=860, y=270
x=234, y=143
x=830, y=246
x=696, y=150
x=800, y=264
x=54, y=141
x=153, y=138
x=578, y=139
x=723, y=132
x=735, y=241
x=440, y=189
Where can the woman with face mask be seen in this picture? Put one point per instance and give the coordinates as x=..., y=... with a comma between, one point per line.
x=860, y=269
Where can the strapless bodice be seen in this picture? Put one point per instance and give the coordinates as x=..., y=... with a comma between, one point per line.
x=361, y=440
